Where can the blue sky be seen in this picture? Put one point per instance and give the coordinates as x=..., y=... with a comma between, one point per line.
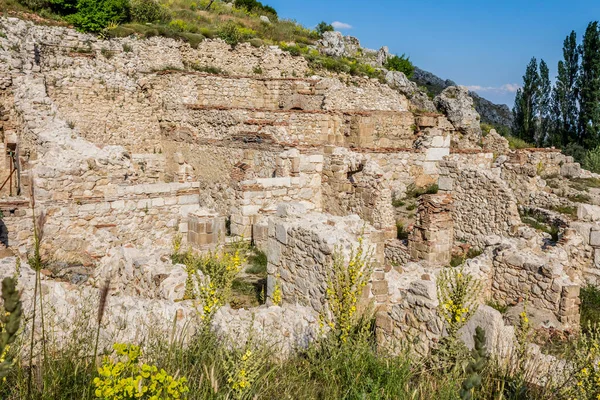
x=482, y=44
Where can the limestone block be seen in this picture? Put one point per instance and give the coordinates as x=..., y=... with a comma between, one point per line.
x=436, y=153
x=500, y=338
x=588, y=212
x=595, y=236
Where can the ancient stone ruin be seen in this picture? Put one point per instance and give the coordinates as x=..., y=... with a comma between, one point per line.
x=128, y=147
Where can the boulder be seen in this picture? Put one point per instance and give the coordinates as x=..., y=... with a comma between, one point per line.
x=332, y=44
x=382, y=56
x=537, y=318
x=588, y=212
x=570, y=170
x=499, y=338
x=265, y=19
x=458, y=107
x=397, y=80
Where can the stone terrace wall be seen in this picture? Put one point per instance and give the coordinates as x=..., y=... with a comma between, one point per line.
x=300, y=249
x=483, y=203
x=142, y=215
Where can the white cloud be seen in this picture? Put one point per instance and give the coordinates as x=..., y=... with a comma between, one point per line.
x=506, y=88
x=341, y=25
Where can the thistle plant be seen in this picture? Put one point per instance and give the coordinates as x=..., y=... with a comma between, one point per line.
x=478, y=361
x=124, y=377
x=9, y=323
x=345, y=284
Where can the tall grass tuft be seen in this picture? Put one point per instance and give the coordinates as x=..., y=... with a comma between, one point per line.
x=102, y=304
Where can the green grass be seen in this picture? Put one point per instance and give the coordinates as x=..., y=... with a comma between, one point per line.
x=515, y=143
x=415, y=192
x=580, y=198
x=538, y=223
x=584, y=183
x=590, y=306
x=401, y=234
x=502, y=308
x=258, y=263
x=570, y=211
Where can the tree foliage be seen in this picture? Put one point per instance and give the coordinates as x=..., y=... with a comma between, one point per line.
x=402, y=64
x=323, y=27
x=589, y=87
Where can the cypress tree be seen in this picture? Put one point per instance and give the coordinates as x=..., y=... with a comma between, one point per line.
x=589, y=88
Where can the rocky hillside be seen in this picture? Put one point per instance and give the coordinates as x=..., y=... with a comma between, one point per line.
x=498, y=115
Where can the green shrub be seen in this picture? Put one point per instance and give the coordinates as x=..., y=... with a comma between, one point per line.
x=486, y=128
x=323, y=27
x=179, y=25
x=63, y=7
x=233, y=34
x=95, y=15
x=516, y=143
x=148, y=11
x=402, y=64
x=255, y=6
x=401, y=234
x=35, y=4
x=590, y=306
x=591, y=161
x=576, y=151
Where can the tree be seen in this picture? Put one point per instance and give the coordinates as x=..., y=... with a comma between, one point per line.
x=526, y=104
x=402, y=64
x=565, y=93
x=589, y=87
x=544, y=105
x=324, y=27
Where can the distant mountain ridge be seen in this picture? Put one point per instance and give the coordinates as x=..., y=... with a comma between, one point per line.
x=498, y=115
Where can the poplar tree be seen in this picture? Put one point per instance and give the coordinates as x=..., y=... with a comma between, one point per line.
x=589, y=88
x=544, y=105
x=566, y=93
x=526, y=104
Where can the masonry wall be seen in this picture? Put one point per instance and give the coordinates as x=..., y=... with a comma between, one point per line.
x=300, y=251
x=483, y=203
x=84, y=229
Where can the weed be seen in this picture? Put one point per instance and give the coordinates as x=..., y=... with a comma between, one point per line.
x=258, y=263
x=401, y=234
x=127, y=48
x=108, y=54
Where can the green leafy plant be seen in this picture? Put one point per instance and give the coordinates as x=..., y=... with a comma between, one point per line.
x=591, y=161
x=401, y=64
x=323, y=27
x=148, y=11
x=95, y=15
x=475, y=368
x=125, y=377
x=345, y=283
x=9, y=323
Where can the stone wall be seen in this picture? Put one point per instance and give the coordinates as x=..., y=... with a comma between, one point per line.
x=300, y=250
x=297, y=179
x=84, y=229
x=483, y=203
x=432, y=237
x=539, y=279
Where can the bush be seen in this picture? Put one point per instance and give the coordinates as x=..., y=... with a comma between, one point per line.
x=234, y=34
x=148, y=11
x=255, y=6
x=516, y=143
x=576, y=151
x=591, y=161
x=324, y=27
x=95, y=15
x=401, y=64
x=63, y=7
x=34, y=4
